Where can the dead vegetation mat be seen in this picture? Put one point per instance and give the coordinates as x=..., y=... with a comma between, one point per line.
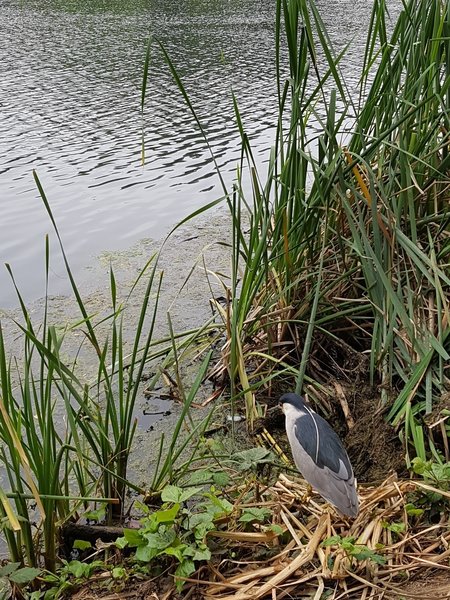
x=408, y=556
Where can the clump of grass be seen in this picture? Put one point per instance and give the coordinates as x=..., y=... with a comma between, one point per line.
x=346, y=241
x=351, y=243
x=40, y=457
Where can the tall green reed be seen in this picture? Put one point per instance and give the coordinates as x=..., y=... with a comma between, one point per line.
x=105, y=412
x=39, y=456
x=361, y=234
x=397, y=208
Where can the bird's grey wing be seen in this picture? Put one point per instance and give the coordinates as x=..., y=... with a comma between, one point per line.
x=322, y=444
x=323, y=461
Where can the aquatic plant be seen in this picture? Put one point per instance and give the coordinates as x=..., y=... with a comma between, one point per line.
x=39, y=455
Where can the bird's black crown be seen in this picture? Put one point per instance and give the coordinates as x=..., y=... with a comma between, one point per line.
x=293, y=399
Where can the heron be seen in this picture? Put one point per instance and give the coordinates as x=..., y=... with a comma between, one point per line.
x=319, y=455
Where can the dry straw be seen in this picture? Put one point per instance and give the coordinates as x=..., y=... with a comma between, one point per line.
x=305, y=567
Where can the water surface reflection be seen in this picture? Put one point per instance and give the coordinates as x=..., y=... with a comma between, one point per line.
x=70, y=108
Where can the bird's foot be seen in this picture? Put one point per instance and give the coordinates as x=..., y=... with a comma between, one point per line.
x=307, y=495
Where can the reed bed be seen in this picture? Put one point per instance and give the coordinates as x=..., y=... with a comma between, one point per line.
x=348, y=238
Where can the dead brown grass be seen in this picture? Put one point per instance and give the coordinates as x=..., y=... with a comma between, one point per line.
x=304, y=568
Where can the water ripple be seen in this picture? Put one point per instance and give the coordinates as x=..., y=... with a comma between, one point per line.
x=70, y=103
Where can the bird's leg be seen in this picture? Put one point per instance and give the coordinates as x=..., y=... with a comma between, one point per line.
x=307, y=495
x=328, y=508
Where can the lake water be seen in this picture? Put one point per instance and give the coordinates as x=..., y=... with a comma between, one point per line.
x=70, y=87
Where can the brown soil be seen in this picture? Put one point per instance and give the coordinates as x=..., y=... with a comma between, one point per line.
x=140, y=590
x=356, y=412
x=429, y=585
x=373, y=445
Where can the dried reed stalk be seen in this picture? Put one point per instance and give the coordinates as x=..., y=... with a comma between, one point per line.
x=303, y=567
